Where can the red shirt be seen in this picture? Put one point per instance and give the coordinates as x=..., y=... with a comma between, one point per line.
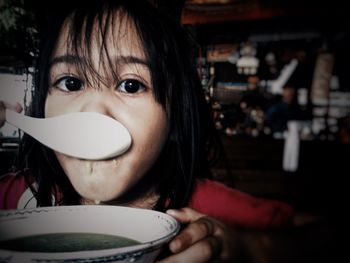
x=237, y=208
x=212, y=198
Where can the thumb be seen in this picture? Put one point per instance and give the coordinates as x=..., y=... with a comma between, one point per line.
x=185, y=215
x=15, y=106
x=7, y=105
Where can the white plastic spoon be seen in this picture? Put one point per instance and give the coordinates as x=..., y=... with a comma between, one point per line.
x=84, y=135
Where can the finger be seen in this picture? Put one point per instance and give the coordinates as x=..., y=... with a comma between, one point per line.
x=194, y=232
x=8, y=105
x=13, y=106
x=185, y=215
x=203, y=251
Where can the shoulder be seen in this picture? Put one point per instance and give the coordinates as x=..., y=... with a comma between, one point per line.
x=238, y=208
x=205, y=186
x=211, y=194
x=11, y=181
x=12, y=187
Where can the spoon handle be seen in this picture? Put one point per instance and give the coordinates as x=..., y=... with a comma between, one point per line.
x=25, y=123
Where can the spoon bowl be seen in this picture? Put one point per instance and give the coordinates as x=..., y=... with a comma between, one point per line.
x=84, y=135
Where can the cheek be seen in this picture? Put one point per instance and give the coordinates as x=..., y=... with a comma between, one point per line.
x=52, y=105
x=57, y=104
x=149, y=132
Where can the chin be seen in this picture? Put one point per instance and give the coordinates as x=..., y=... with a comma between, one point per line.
x=100, y=195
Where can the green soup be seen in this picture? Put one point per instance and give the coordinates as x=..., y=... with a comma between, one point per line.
x=66, y=242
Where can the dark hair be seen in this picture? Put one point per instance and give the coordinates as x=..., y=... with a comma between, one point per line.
x=168, y=49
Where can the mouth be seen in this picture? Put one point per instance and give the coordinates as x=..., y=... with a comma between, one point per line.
x=92, y=166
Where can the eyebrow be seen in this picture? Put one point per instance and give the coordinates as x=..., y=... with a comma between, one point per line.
x=73, y=59
x=69, y=59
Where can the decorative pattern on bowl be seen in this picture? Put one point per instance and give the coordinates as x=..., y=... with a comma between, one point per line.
x=152, y=229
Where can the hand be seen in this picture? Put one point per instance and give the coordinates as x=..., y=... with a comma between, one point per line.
x=204, y=239
x=8, y=105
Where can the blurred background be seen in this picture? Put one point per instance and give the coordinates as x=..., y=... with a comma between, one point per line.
x=276, y=75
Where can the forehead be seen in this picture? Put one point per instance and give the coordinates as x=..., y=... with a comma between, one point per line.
x=112, y=34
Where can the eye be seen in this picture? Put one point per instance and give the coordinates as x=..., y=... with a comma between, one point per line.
x=69, y=83
x=131, y=86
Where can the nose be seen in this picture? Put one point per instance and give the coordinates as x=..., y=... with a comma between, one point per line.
x=100, y=100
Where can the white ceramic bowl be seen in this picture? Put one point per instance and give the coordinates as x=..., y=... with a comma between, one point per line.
x=151, y=228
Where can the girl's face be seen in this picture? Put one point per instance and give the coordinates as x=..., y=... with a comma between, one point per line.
x=130, y=101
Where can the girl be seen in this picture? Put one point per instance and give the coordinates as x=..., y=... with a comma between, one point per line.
x=126, y=60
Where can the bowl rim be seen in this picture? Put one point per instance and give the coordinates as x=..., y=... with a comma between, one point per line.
x=113, y=253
